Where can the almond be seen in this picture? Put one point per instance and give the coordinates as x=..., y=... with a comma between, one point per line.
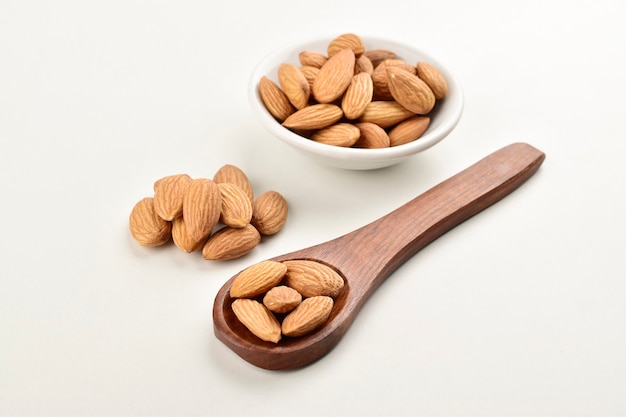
x=385, y=113
x=236, y=206
x=363, y=64
x=376, y=56
x=397, y=62
x=274, y=99
x=346, y=41
x=372, y=136
x=340, y=134
x=269, y=213
x=380, y=85
x=282, y=299
x=408, y=130
x=380, y=78
x=230, y=243
x=146, y=226
x=316, y=116
x=357, y=96
x=410, y=91
x=168, y=195
x=312, y=58
x=310, y=73
x=181, y=237
x=433, y=78
x=201, y=207
x=231, y=174
x=258, y=319
x=257, y=279
x=308, y=316
x=294, y=85
x=311, y=278
x=334, y=77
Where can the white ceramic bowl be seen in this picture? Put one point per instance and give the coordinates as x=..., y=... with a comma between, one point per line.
x=444, y=117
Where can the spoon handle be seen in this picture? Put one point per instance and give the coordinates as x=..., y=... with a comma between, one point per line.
x=370, y=254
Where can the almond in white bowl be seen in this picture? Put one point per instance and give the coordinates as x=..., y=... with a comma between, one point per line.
x=404, y=82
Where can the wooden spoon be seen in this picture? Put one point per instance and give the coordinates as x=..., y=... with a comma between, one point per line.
x=367, y=256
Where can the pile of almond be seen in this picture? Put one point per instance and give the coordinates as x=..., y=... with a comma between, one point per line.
x=219, y=216
x=289, y=298
x=354, y=97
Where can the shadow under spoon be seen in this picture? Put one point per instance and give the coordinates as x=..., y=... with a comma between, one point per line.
x=368, y=255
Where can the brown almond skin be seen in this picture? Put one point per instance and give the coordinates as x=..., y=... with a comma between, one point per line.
x=381, y=85
x=357, y=96
x=294, y=85
x=274, y=99
x=310, y=73
x=340, y=134
x=146, y=226
x=230, y=243
x=397, y=62
x=168, y=195
x=334, y=77
x=282, y=299
x=433, y=78
x=236, y=205
x=202, y=205
x=376, y=56
x=269, y=213
x=385, y=113
x=257, y=279
x=311, y=278
x=408, y=130
x=410, y=91
x=380, y=78
x=232, y=174
x=309, y=315
x=372, y=136
x=258, y=319
x=181, y=237
x=315, y=116
x=363, y=64
x=312, y=58
x=346, y=41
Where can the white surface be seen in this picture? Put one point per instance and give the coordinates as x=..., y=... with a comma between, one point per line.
x=443, y=119
x=519, y=311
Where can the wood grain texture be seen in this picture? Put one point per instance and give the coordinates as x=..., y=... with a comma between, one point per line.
x=368, y=255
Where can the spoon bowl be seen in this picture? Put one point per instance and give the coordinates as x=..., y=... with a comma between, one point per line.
x=368, y=255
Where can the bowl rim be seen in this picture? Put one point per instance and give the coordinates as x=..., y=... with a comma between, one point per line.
x=433, y=135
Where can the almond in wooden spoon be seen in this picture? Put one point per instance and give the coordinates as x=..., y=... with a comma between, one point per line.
x=367, y=256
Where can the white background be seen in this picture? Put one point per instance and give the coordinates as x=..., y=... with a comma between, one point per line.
x=520, y=311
